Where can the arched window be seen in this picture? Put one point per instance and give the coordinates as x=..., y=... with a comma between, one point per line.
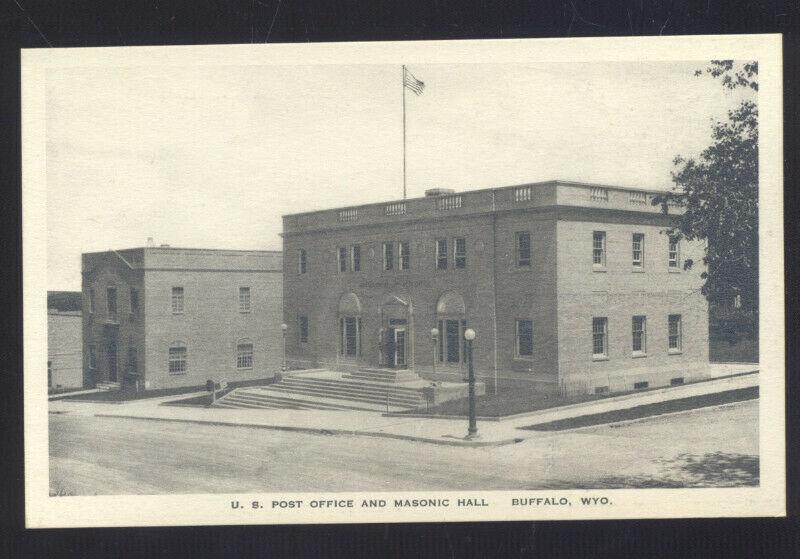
x=178, y=363
x=451, y=321
x=244, y=354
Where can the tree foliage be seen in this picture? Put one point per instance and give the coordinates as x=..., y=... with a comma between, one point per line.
x=718, y=191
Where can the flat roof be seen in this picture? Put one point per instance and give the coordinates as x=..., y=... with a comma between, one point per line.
x=187, y=249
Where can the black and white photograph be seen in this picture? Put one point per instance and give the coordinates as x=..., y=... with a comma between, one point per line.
x=390, y=282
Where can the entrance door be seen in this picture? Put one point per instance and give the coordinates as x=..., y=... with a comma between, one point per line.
x=453, y=341
x=112, y=361
x=400, y=347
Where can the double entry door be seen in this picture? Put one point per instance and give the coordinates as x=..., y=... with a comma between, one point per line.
x=396, y=343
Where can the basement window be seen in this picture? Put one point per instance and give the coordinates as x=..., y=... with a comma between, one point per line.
x=677, y=381
x=640, y=385
x=601, y=390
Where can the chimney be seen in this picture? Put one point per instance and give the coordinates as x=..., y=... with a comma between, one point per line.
x=150, y=242
x=438, y=192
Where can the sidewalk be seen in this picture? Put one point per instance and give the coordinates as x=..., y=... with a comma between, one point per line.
x=442, y=431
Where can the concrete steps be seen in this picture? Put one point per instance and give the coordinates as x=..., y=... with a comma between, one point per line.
x=369, y=389
x=107, y=385
x=268, y=398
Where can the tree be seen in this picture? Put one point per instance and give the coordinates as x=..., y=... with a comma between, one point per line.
x=718, y=192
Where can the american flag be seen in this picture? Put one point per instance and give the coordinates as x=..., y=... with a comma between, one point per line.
x=413, y=83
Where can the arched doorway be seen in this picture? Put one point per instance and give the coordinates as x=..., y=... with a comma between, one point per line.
x=397, y=327
x=451, y=318
x=349, y=327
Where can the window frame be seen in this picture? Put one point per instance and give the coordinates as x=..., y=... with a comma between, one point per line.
x=672, y=262
x=245, y=308
x=441, y=254
x=241, y=356
x=355, y=258
x=178, y=299
x=637, y=264
x=404, y=256
x=518, y=346
x=91, y=301
x=642, y=335
x=134, y=301
x=302, y=261
x=178, y=360
x=302, y=329
x=678, y=335
x=388, y=256
x=459, y=256
x=131, y=360
x=603, y=321
x=92, y=357
x=341, y=260
x=519, y=261
x=109, y=290
x=601, y=235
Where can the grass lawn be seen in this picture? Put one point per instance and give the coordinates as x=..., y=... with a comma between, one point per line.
x=647, y=410
x=745, y=350
x=125, y=395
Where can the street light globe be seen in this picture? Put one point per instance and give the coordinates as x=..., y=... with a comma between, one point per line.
x=284, y=327
x=469, y=334
x=434, y=332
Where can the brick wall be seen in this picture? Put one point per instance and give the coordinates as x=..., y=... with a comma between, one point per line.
x=64, y=349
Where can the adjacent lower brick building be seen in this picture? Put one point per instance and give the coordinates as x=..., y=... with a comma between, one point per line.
x=569, y=286
x=162, y=317
x=64, y=334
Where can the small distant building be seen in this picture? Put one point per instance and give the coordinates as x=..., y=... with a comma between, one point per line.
x=163, y=317
x=570, y=287
x=64, y=335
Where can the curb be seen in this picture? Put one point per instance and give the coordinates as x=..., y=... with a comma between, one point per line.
x=324, y=431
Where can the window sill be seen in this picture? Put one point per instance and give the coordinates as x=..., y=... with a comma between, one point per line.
x=244, y=368
x=244, y=312
x=674, y=270
x=601, y=269
x=637, y=270
x=674, y=352
x=638, y=354
x=599, y=357
x=177, y=374
x=523, y=359
x=177, y=312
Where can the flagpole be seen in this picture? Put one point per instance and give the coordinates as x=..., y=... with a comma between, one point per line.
x=403, y=86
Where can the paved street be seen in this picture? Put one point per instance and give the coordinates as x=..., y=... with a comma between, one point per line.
x=103, y=455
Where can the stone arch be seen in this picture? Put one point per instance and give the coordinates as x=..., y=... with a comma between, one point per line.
x=451, y=304
x=349, y=305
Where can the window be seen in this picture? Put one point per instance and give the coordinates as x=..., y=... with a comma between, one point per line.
x=355, y=258
x=405, y=255
x=177, y=300
x=303, y=328
x=49, y=374
x=640, y=385
x=674, y=332
x=441, y=254
x=452, y=348
x=244, y=299
x=131, y=361
x=91, y=301
x=638, y=250
x=134, y=301
x=523, y=243
x=673, y=253
x=177, y=358
x=677, y=381
x=341, y=257
x=301, y=261
x=388, y=256
x=244, y=356
x=460, y=252
x=524, y=338
x=599, y=248
x=92, y=357
x=639, y=334
x=111, y=301
x=348, y=327
x=600, y=337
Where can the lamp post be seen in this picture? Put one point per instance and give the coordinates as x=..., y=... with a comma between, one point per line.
x=284, y=327
x=434, y=340
x=472, y=431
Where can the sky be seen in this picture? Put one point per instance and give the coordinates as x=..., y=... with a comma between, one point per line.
x=213, y=156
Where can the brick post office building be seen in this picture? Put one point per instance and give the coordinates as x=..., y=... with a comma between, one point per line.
x=571, y=287
x=162, y=317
